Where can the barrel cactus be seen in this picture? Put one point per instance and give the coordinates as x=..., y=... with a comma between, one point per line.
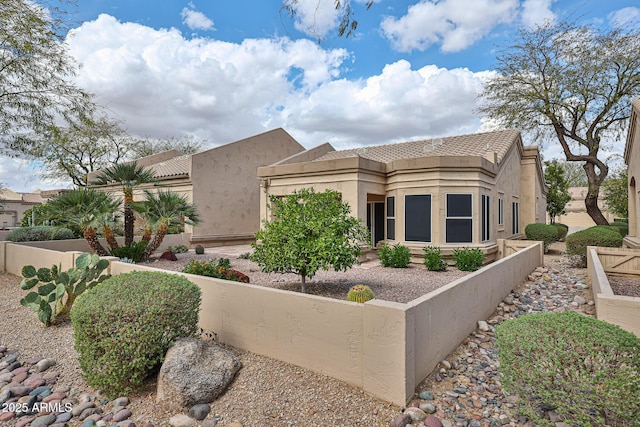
x=360, y=293
x=199, y=249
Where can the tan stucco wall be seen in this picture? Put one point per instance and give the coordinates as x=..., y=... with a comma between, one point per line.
x=632, y=159
x=226, y=189
x=11, y=212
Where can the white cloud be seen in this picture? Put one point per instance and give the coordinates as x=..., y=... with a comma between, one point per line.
x=626, y=17
x=455, y=24
x=316, y=18
x=537, y=12
x=163, y=85
x=195, y=20
x=23, y=176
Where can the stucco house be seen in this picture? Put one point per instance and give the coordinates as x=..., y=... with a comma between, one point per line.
x=14, y=205
x=576, y=216
x=221, y=182
x=459, y=191
x=632, y=159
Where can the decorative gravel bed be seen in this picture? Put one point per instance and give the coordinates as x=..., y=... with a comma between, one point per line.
x=625, y=285
x=389, y=284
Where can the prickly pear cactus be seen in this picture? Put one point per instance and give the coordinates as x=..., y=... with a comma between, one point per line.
x=360, y=293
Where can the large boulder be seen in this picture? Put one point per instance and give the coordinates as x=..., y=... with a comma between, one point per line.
x=195, y=371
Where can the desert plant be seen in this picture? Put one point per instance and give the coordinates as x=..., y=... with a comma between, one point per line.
x=433, y=259
x=220, y=269
x=586, y=369
x=124, y=327
x=360, y=293
x=595, y=236
x=396, y=256
x=548, y=234
x=40, y=233
x=468, y=259
x=180, y=249
x=562, y=230
x=199, y=250
x=133, y=252
x=57, y=284
x=246, y=255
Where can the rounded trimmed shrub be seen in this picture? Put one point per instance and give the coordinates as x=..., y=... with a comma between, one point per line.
x=562, y=230
x=433, y=259
x=360, y=293
x=595, y=236
x=620, y=227
x=396, y=256
x=587, y=370
x=468, y=259
x=124, y=327
x=40, y=233
x=542, y=232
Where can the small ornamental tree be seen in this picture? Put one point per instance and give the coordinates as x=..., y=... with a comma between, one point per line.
x=309, y=231
x=616, y=194
x=558, y=196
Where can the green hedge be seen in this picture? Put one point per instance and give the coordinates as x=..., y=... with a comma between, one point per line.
x=468, y=259
x=396, y=256
x=562, y=230
x=124, y=327
x=542, y=232
x=586, y=369
x=598, y=235
x=39, y=233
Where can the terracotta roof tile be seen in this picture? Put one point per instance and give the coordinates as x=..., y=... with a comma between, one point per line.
x=478, y=144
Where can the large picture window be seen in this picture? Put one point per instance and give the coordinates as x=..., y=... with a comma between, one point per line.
x=486, y=218
x=391, y=218
x=417, y=218
x=459, y=222
x=515, y=218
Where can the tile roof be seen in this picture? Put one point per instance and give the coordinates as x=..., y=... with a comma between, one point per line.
x=178, y=166
x=32, y=198
x=477, y=144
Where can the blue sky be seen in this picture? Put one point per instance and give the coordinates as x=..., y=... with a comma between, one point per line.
x=224, y=70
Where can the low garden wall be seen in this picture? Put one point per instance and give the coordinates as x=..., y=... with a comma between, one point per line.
x=385, y=348
x=620, y=310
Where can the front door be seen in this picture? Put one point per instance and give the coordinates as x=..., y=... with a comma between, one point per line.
x=375, y=221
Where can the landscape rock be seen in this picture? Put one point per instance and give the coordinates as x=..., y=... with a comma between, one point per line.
x=181, y=420
x=195, y=371
x=199, y=411
x=401, y=420
x=169, y=256
x=432, y=421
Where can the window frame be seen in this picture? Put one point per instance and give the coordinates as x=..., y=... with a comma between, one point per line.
x=515, y=217
x=500, y=211
x=456, y=219
x=430, y=198
x=390, y=218
x=485, y=218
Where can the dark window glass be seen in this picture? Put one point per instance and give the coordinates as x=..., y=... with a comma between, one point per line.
x=391, y=229
x=459, y=205
x=459, y=231
x=417, y=218
x=391, y=207
x=485, y=218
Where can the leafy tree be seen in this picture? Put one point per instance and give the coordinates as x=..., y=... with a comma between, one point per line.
x=348, y=24
x=86, y=209
x=160, y=211
x=309, y=231
x=142, y=147
x=36, y=70
x=128, y=175
x=558, y=195
x=572, y=82
x=616, y=193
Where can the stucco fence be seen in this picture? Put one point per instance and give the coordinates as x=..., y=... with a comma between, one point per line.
x=620, y=310
x=385, y=348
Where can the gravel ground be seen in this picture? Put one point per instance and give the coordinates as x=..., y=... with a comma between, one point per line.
x=625, y=285
x=389, y=284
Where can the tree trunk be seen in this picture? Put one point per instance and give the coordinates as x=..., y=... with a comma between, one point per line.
x=146, y=236
x=304, y=280
x=129, y=218
x=591, y=201
x=91, y=237
x=156, y=242
x=111, y=239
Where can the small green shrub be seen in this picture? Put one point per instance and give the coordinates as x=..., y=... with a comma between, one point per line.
x=542, y=232
x=586, y=369
x=360, y=293
x=468, y=259
x=562, y=230
x=595, y=236
x=396, y=256
x=56, y=285
x=40, y=233
x=180, y=249
x=246, y=255
x=134, y=251
x=124, y=327
x=220, y=269
x=433, y=259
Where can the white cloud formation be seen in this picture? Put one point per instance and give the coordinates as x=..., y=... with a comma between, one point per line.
x=455, y=24
x=537, y=12
x=195, y=20
x=163, y=85
x=316, y=18
x=626, y=17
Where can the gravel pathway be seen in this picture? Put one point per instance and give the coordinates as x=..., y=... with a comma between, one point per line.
x=464, y=390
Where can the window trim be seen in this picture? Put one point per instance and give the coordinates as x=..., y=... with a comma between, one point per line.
x=447, y=217
x=389, y=218
x=515, y=217
x=430, y=217
x=485, y=218
x=501, y=211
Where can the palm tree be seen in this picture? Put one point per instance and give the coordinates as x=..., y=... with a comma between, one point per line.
x=88, y=210
x=162, y=210
x=128, y=175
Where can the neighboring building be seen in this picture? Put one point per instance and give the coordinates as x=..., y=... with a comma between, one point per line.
x=632, y=159
x=576, y=216
x=220, y=182
x=14, y=205
x=460, y=191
